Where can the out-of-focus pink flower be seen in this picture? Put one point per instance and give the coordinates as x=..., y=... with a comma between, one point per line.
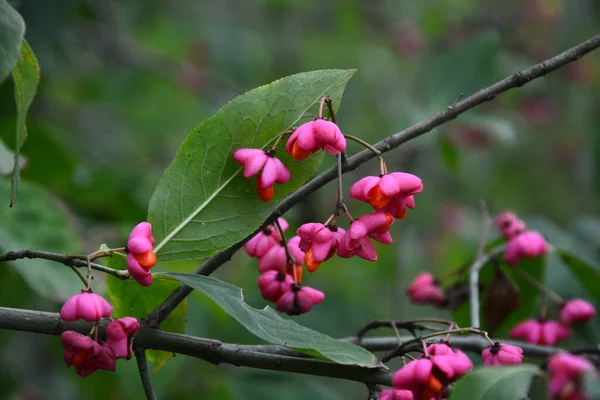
x=85, y=354
x=119, y=335
x=565, y=375
x=273, y=284
x=263, y=241
x=273, y=170
x=141, y=257
x=276, y=257
x=319, y=243
x=396, y=395
x=509, y=224
x=312, y=136
x=576, y=310
x=502, y=354
x=87, y=306
x=299, y=300
x=540, y=332
x=425, y=289
x=390, y=193
x=528, y=244
x=457, y=361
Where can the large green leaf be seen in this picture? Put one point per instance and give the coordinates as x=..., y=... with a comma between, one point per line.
x=495, y=383
x=268, y=325
x=12, y=29
x=39, y=222
x=202, y=203
x=26, y=76
x=587, y=273
x=129, y=298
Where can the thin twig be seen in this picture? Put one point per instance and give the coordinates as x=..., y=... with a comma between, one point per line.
x=67, y=259
x=479, y=263
x=401, y=350
x=539, y=287
x=476, y=267
x=517, y=79
x=140, y=357
x=289, y=260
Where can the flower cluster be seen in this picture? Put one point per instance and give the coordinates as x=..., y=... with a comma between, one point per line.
x=89, y=354
x=521, y=243
x=141, y=257
x=281, y=262
x=280, y=266
x=550, y=332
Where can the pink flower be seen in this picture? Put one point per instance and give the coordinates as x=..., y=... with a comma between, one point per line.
x=388, y=193
x=274, y=284
x=273, y=170
x=119, y=334
x=540, y=332
x=456, y=360
x=85, y=354
x=141, y=257
x=276, y=257
x=509, y=224
x=312, y=136
x=319, y=243
x=356, y=240
x=565, y=375
x=87, y=306
x=502, y=354
x=576, y=310
x=299, y=300
x=396, y=395
x=425, y=378
x=528, y=244
x=263, y=241
x=425, y=289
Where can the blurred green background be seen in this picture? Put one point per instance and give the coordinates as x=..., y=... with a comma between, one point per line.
x=123, y=83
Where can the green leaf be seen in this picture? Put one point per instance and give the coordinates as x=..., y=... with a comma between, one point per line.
x=495, y=383
x=129, y=298
x=270, y=326
x=12, y=29
x=202, y=203
x=26, y=77
x=39, y=222
x=585, y=271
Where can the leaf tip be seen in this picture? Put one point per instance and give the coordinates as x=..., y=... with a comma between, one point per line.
x=351, y=72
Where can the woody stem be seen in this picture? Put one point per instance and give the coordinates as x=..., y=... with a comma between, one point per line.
x=279, y=137
x=329, y=103
x=340, y=205
x=289, y=259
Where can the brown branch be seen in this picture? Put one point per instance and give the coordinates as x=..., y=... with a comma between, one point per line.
x=517, y=79
x=69, y=260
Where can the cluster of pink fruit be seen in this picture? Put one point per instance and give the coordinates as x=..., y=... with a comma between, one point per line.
x=390, y=194
x=88, y=354
x=530, y=244
x=428, y=377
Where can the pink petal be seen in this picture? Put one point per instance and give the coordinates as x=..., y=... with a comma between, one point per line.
x=283, y=174
x=306, y=137
x=143, y=229
x=269, y=173
x=389, y=186
x=409, y=183
x=139, y=245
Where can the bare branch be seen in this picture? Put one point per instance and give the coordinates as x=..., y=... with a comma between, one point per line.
x=140, y=357
x=69, y=260
x=479, y=263
x=517, y=79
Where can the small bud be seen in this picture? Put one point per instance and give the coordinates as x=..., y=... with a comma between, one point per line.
x=87, y=306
